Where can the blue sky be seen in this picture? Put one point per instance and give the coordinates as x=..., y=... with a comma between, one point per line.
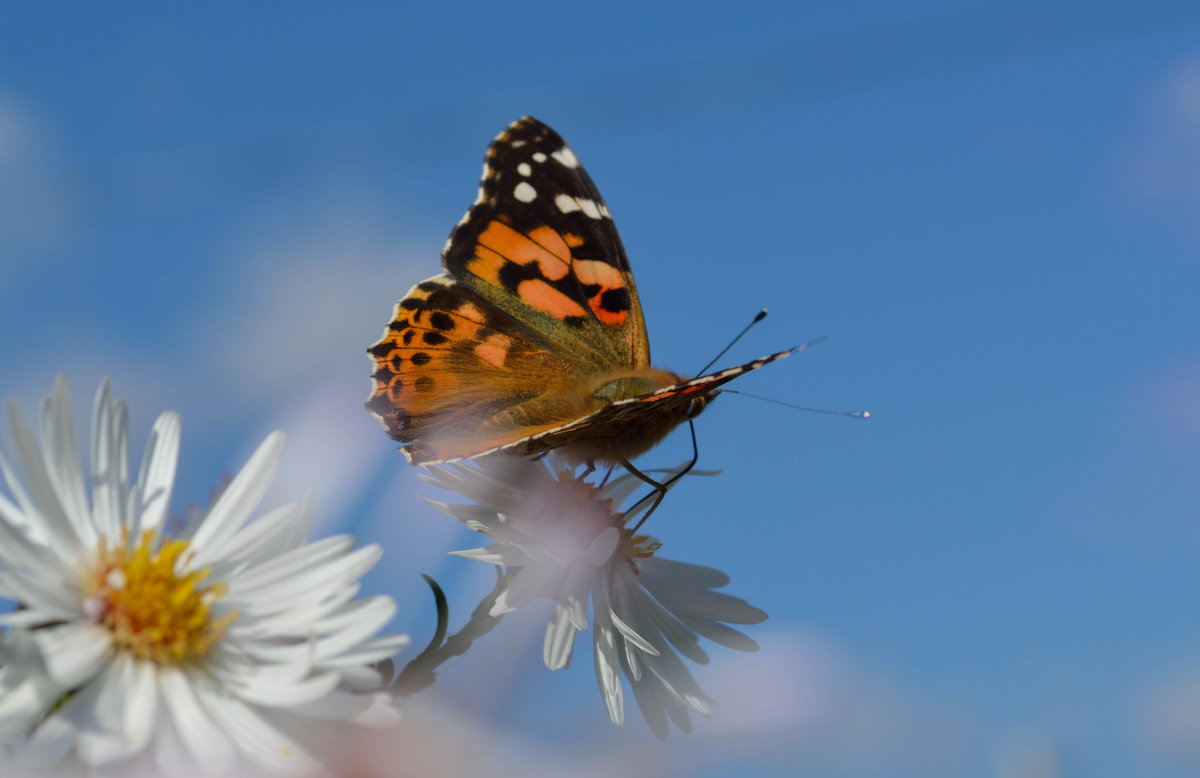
x=989, y=208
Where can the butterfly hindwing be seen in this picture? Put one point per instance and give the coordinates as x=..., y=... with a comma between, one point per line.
x=449, y=363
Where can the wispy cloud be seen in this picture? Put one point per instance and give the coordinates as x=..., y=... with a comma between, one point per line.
x=34, y=202
x=1160, y=169
x=1170, y=716
x=311, y=296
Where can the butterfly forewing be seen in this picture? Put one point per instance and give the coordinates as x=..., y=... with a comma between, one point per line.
x=541, y=245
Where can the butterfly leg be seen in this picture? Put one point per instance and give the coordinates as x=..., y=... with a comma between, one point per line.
x=660, y=489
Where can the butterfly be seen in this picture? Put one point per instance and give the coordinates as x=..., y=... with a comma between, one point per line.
x=533, y=338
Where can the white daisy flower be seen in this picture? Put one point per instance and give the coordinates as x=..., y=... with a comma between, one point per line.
x=562, y=537
x=201, y=647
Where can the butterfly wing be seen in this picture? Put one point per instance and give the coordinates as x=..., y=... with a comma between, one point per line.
x=536, y=300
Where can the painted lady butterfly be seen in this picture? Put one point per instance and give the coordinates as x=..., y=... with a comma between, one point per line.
x=533, y=338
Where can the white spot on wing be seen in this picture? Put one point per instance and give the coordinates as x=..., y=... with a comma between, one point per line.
x=568, y=204
x=524, y=169
x=588, y=207
x=566, y=157
x=516, y=144
x=524, y=192
x=539, y=156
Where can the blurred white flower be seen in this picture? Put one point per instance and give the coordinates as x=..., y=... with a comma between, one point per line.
x=187, y=651
x=563, y=537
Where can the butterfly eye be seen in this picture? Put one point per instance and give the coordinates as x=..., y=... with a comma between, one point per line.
x=699, y=403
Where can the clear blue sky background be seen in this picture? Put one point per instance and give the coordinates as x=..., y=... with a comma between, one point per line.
x=990, y=208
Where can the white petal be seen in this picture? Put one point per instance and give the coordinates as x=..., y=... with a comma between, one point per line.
x=631, y=635
x=601, y=549
x=316, y=584
x=238, y=500
x=61, y=455
x=496, y=554
x=368, y=652
x=40, y=591
x=58, y=526
x=50, y=741
x=207, y=742
x=608, y=674
x=257, y=738
x=650, y=619
x=560, y=639
x=685, y=573
x=353, y=625
x=264, y=538
x=288, y=565
x=157, y=477
x=102, y=736
x=523, y=585
x=23, y=705
x=74, y=652
x=653, y=700
x=108, y=488
x=24, y=516
x=260, y=690
x=142, y=711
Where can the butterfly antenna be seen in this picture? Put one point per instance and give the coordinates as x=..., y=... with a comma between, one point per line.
x=757, y=318
x=851, y=414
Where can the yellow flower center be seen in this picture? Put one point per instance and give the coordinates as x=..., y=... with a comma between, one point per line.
x=153, y=611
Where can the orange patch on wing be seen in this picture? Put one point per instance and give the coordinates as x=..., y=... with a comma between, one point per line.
x=593, y=271
x=611, y=318
x=494, y=350
x=470, y=312
x=553, y=255
x=541, y=295
x=573, y=240
x=604, y=275
x=542, y=245
x=486, y=264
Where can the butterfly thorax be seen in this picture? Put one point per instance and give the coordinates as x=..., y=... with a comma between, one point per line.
x=633, y=384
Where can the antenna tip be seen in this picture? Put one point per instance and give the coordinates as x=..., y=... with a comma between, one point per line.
x=761, y=315
x=861, y=414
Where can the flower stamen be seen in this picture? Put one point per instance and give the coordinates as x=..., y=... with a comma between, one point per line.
x=152, y=610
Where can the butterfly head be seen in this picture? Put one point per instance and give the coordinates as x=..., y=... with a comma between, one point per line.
x=700, y=402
